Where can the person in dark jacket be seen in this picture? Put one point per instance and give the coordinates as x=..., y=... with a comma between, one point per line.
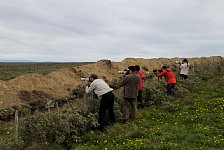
x=169, y=77
x=130, y=84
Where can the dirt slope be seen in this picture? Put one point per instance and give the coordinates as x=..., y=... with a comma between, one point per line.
x=30, y=87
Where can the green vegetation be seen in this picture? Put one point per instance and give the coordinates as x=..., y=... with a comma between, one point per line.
x=11, y=70
x=191, y=119
x=194, y=121
x=41, y=105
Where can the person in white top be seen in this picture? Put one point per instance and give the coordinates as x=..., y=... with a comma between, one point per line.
x=102, y=89
x=184, y=68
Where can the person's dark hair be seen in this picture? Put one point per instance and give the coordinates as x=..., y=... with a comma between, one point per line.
x=185, y=60
x=137, y=68
x=94, y=76
x=164, y=67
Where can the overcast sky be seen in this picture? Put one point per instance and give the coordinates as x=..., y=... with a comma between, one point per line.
x=90, y=30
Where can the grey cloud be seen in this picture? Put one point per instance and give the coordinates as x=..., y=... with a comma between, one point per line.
x=69, y=30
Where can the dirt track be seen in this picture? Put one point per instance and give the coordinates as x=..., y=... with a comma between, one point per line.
x=28, y=87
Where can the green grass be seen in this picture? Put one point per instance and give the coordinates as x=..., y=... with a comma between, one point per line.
x=12, y=70
x=198, y=123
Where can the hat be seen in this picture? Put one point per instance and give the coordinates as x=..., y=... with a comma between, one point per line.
x=132, y=68
x=94, y=76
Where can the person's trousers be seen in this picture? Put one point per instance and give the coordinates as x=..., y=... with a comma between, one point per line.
x=183, y=76
x=130, y=104
x=169, y=88
x=106, y=104
x=139, y=99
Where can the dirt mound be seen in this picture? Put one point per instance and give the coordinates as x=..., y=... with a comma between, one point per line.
x=104, y=68
x=27, y=96
x=29, y=87
x=55, y=84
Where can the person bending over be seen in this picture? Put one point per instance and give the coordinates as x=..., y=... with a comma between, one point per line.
x=169, y=77
x=102, y=89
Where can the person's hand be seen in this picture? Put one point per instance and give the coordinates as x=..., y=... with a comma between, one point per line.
x=87, y=83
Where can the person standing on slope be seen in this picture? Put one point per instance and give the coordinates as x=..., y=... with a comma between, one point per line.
x=130, y=84
x=139, y=97
x=184, y=68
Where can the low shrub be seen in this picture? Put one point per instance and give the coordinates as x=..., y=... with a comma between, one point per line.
x=79, y=91
x=61, y=128
x=153, y=94
x=10, y=145
x=169, y=107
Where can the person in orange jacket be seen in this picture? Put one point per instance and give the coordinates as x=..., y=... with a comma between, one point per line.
x=169, y=77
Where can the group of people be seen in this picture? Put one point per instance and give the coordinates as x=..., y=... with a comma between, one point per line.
x=132, y=91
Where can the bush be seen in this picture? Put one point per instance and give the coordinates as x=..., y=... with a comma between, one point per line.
x=45, y=146
x=118, y=108
x=206, y=71
x=9, y=145
x=115, y=84
x=7, y=113
x=167, y=106
x=62, y=128
x=153, y=94
x=79, y=91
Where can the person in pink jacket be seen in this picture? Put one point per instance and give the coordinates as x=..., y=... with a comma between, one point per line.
x=139, y=97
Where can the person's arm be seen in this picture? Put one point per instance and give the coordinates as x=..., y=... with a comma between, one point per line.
x=125, y=81
x=90, y=88
x=181, y=66
x=189, y=66
x=161, y=74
